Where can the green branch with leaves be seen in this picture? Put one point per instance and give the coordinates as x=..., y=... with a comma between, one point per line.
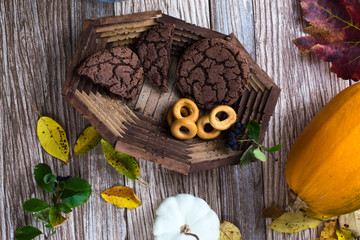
x=255, y=149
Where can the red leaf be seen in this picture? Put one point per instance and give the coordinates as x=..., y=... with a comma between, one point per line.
x=334, y=28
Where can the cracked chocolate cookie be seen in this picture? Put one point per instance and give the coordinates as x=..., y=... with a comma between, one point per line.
x=118, y=69
x=212, y=72
x=154, y=52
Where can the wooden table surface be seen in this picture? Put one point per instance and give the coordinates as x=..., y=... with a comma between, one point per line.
x=37, y=42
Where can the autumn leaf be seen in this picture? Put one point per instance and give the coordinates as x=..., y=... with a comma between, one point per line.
x=344, y=234
x=329, y=231
x=87, y=140
x=123, y=163
x=334, y=28
x=308, y=212
x=271, y=212
x=291, y=222
x=55, y=218
x=53, y=139
x=351, y=221
x=122, y=197
x=229, y=231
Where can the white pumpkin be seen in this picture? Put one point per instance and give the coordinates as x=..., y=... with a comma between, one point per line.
x=185, y=217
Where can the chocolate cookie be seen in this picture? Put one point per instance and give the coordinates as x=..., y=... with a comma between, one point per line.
x=212, y=72
x=118, y=69
x=154, y=52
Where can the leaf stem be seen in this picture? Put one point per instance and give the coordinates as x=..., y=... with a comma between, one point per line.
x=142, y=183
x=36, y=110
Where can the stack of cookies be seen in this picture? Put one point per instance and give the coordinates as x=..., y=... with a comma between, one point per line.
x=211, y=72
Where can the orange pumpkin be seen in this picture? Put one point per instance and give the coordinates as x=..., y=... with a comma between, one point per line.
x=323, y=166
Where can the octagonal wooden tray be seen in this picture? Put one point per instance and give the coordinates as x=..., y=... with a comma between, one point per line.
x=138, y=127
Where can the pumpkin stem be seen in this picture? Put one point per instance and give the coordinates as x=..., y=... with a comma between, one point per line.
x=297, y=202
x=185, y=229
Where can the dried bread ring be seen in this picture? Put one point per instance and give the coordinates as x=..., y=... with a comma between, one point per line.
x=170, y=117
x=227, y=122
x=178, y=132
x=201, y=128
x=190, y=105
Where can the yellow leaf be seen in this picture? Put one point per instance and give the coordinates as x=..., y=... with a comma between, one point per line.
x=53, y=139
x=291, y=222
x=311, y=214
x=61, y=220
x=329, y=231
x=351, y=221
x=87, y=140
x=272, y=212
x=229, y=231
x=344, y=234
x=123, y=197
x=123, y=163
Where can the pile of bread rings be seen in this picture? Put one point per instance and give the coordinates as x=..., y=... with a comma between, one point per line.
x=183, y=118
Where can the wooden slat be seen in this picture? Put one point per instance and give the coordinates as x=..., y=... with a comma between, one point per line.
x=126, y=27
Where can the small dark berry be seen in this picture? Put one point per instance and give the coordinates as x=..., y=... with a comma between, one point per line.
x=243, y=126
x=227, y=145
x=234, y=147
x=232, y=141
x=59, y=178
x=237, y=131
x=237, y=125
x=66, y=178
x=232, y=135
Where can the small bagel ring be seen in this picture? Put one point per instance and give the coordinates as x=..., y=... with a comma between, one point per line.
x=183, y=122
x=190, y=105
x=226, y=123
x=170, y=117
x=201, y=131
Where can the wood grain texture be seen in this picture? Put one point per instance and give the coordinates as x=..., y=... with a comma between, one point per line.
x=37, y=42
x=306, y=83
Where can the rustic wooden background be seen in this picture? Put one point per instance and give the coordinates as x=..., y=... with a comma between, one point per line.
x=37, y=41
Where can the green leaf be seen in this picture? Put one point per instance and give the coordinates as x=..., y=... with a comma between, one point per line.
x=27, y=233
x=258, y=154
x=43, y=215
x=35, y=205
x=40, y=171
x=77, y=184
x=273, y=149
x=123, y=163
x=63, y=208
x=55, y=217
x=291, y=222
x=53, y=233
x=87, y=140
x=61, y=185
x=254, y=130
x=73, y=199
x=53, y=139
x=48, y=226
x=247, y=156
x=50, y=178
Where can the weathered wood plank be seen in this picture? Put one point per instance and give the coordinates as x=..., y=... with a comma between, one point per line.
x=241, y=186
x=169, y=183
x=38, y=39
x=306, y=85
